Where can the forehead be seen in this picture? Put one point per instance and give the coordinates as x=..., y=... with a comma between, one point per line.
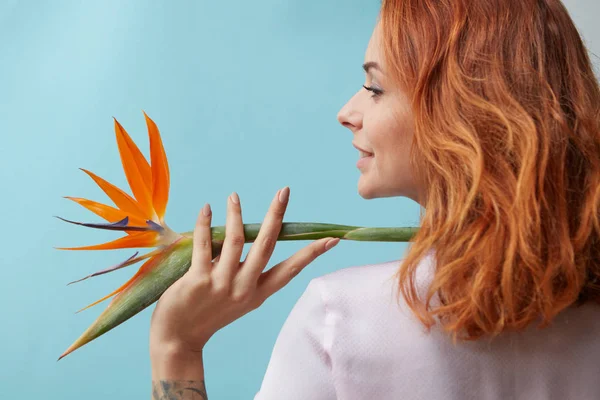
x=372, y=53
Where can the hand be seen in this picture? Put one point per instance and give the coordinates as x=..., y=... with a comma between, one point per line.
x=214, y=293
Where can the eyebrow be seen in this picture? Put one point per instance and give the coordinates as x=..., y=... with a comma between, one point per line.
x=371, y=64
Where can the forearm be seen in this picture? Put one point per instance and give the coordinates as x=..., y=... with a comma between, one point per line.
x=178, y=376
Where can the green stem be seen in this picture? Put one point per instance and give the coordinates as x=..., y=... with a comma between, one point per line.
x=313, y=230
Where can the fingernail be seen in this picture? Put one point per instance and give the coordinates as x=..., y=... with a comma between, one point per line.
x=235, y=198
x=331, y=243
x=206, y=210
x=284, y=194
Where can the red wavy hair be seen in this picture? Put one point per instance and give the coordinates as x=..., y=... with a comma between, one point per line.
x=507, y=145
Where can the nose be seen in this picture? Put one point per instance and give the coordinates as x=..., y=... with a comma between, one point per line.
x=350, y=116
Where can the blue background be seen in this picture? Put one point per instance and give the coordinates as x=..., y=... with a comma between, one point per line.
x=245, y=95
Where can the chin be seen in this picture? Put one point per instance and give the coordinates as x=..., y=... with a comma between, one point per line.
x=368, y=192
x=367, y=196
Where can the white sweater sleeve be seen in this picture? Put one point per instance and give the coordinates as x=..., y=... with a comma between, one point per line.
x=300, y=366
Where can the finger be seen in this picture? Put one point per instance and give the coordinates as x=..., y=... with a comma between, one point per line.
x=281, y=274
x=202, y=246
x=264, y=244
x=233, y=244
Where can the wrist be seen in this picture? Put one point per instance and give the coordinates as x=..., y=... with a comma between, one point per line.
x=172, y=361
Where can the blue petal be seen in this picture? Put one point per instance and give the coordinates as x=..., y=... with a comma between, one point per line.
x=105, y=271
x=115, y=226
x=154, y=226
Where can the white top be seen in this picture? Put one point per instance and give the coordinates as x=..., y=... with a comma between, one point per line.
x=346, y=338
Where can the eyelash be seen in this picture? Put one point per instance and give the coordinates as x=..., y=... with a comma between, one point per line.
x=376, y=92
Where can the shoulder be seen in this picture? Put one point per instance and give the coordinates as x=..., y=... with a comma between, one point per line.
x=357, y=278
x=363, y=289
x=369, y=279
x=360, y=315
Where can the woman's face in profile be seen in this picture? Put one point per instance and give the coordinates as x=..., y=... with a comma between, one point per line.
x=381, y=122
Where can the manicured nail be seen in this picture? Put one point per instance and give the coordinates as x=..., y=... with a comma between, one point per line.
x=235, y=198
x=284, y=194
x=206, y=210
x=331, y=243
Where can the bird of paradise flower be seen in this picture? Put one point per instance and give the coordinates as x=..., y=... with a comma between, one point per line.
x=142, y=218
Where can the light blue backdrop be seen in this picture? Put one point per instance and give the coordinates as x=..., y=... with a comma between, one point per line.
x=245, y=95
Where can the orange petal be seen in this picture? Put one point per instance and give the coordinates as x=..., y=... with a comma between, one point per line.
x=121, y=199
x=109, y=213
x=134, y=240
x=137, y=170
x=140, y=271
x=160, y=170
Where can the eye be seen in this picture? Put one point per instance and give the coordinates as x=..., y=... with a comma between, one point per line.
x=376, y=92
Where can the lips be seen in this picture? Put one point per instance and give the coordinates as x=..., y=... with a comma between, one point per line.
x=363, y=152
x=363, y=162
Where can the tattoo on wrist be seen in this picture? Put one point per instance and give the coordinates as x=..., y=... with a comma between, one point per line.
x=178, y=390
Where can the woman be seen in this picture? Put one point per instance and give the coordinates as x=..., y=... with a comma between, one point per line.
x=486, y=113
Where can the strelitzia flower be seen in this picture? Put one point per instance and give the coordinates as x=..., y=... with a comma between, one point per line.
x=142, y=219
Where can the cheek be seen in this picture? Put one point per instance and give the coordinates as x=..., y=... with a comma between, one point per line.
x=391, y=143
x=387, y=136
